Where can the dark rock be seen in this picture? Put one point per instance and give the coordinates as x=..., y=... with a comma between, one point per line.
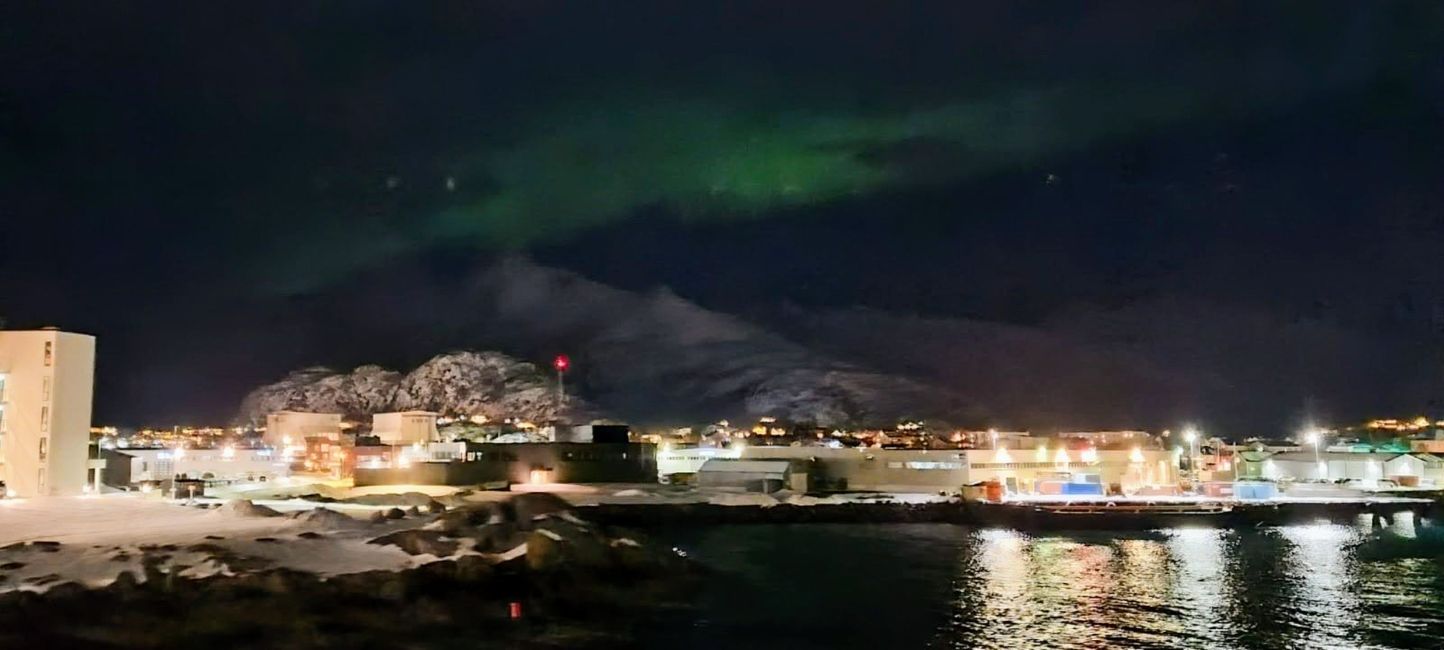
x=266, y=539
x=473, y=568
x=396, y=513
x=414, y=511
x=214, y=537
x=378, y=517
x=497, y=538
x=435, y=507
x=66, y=590
x=46, y=545
x=310, y=535
x=207, y=548
x=11, y=566
x=386, y=585
x=454, y=522
x=418, y=542
x=530, y=505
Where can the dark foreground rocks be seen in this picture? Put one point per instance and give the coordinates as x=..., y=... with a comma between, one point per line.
x=576, y=585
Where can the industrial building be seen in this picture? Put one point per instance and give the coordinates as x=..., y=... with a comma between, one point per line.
x=756, y=475
x=470, y=463
x=138, y=466
x=291, y=428
x=46, y=386
x=405, y=427
x=920, y=470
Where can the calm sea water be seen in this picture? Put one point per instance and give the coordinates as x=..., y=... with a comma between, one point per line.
x=944, y=586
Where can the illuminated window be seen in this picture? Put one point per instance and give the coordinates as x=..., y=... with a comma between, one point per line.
x=44, y=447
x=45, y=418
x=49, y=354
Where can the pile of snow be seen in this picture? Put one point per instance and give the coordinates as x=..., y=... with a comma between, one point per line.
x=805, y=500
x=630, y=493
x=244, y=508
x=326, y=518
x=742, y=499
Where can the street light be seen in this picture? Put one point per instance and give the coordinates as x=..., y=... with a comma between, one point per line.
x=1312, y=438
x=993, y=434
x=1190, y=436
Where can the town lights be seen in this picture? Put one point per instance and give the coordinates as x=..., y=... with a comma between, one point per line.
x=1135, y=456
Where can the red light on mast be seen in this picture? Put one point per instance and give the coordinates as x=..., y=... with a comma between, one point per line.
x=561, y=363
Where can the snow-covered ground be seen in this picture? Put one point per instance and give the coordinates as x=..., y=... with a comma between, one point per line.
x=99, y=537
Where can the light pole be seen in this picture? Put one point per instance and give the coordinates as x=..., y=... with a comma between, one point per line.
x=1190, y=436
x=1312, y=438
x=993, y=434
x=561, y=364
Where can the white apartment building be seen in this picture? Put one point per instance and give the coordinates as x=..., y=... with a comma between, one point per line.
x=405, y=427
x=47, y=380
x=291, y=428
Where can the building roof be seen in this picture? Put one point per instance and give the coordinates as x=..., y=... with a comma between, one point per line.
x=1344, y=456
x=778, y=466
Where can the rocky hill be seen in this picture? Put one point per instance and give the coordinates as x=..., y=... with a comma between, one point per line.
x=456, y=383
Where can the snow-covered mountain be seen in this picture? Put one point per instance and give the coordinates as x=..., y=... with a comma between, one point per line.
x=643, y=357
x=455, y=383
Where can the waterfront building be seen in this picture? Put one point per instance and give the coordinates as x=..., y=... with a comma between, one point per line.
x=931, y=470
x=405, y=427
x=291, y=428
x=471, y=463
x=46, y=386
x=756, y=475
x=1367, y=468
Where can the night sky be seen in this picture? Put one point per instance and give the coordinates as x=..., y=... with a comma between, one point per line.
x=189, y=180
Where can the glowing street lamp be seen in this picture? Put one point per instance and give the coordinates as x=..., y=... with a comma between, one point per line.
x=1190, y=436
x=1312, y=437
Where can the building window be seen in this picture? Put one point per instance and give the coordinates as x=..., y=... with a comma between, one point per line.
x=44, y=447
x=45, y=418
x=45, y=388
x=49, y=354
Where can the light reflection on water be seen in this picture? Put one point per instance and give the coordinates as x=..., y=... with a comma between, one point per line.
x=941, y=586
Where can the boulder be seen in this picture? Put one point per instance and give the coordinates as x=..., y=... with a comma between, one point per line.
x=326, y=518
x=496, y=538
x=530, y=505
x=556, y=542
x=455, y=522
x=418, y=542
x=396, y=513
x=473, y=569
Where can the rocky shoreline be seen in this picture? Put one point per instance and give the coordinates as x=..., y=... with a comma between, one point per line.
x=521, y=573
